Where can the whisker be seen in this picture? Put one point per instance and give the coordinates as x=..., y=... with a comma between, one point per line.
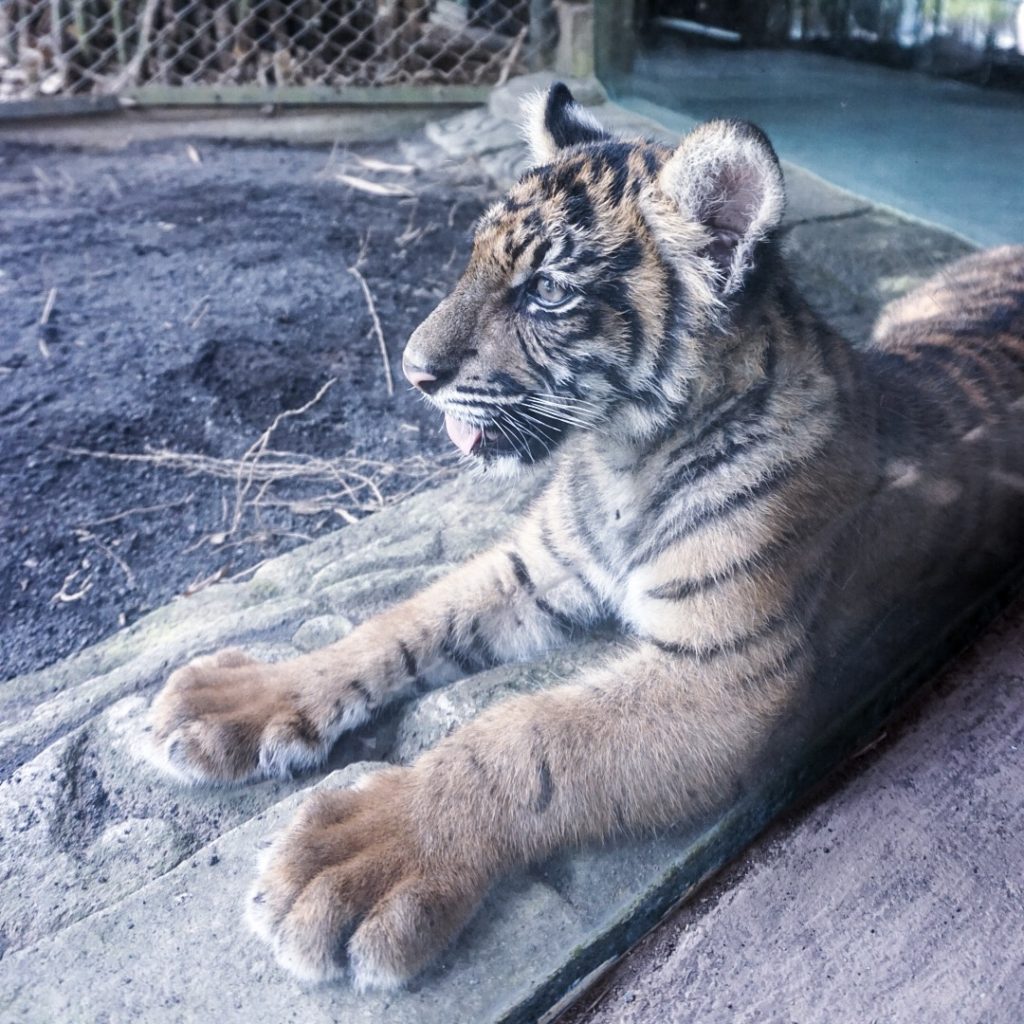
x=545, y=414
x=515, y=447
x=523, y=429
x=552, y=416
x=558, y=401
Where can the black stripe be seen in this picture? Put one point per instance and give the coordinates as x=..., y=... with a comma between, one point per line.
x=305, y=729
x=548, y=541
x=522, y=574
x=684, y=587
x=542, y=370
x=712, y=651
x=736, y=501
x=564, y=622
x=546, y=788
x=579, y=211
x=539, y=253
x=972, y=368
x=480, y=647
x=360, y=688
x=745, y=410
x=581, y=501
x=408, y=659
x=545, y=783
x=669, y=343
x=478, y=766
x=618, y=162
x=779, y=667
x=514, y=249
x=508, y=388
x=463, y=662
x=808, y=588
x=702, y=465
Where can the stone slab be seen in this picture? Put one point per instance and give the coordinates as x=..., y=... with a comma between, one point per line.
x=177, y=949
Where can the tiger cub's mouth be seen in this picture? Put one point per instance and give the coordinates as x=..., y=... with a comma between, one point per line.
x=465, y=436
x=505, y=436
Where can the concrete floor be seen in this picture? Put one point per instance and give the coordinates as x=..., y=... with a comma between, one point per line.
x=943, y=151
x=896, y=896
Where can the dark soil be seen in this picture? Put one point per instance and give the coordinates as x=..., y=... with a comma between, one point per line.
x=192, y=303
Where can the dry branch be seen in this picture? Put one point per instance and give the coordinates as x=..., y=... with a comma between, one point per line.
x=513, y=55
x=51, y=298
x=244, y=477
x=374, y=188
x=348, y=487
x=372, y=306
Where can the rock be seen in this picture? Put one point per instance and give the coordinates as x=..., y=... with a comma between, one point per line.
x=320, y=631
x=440, y=713
x=88, y=820
x=471, y=133
x=809, y=197
x=506, y=166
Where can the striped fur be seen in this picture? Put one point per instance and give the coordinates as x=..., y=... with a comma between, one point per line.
x=772, y=516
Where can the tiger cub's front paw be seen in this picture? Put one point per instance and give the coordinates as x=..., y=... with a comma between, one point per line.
x=227, y=717
x=348, y=884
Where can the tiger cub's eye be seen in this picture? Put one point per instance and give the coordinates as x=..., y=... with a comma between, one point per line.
x=547, y=291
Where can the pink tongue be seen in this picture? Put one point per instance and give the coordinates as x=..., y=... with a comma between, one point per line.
x=464, y=435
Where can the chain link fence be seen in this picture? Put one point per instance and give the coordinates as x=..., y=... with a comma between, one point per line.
x=116, y=47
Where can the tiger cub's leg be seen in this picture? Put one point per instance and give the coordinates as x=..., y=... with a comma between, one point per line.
x=229, y=717
x=400, y=861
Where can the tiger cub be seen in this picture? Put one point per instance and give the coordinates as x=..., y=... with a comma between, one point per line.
x=771, y=515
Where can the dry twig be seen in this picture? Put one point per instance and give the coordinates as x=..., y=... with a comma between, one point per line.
x=513, y=55
x=371, y=163
x=374, y=188
x=265, y=480
x=371, y=305
x=349, y=487
x=137, y=510
x=87, y=537
x=207, y=581
x=245, y=475
x=51, y=298
x=66, y=596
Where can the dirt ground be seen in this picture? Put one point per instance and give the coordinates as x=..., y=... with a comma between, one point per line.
x=176, y=297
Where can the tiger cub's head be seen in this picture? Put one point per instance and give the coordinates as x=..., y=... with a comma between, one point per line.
x=601, y=290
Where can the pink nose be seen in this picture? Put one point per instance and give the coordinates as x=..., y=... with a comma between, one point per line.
x=419, y=377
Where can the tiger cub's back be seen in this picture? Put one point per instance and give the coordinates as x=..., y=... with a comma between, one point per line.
x=944, y=523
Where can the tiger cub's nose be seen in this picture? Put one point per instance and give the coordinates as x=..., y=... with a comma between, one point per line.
x=427, y=378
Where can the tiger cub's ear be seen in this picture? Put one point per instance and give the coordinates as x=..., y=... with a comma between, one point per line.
x=725, y=176
x=554, y=121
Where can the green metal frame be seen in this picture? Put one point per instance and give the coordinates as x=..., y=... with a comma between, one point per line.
x=244, y=95
x=57, y=106
x=305, y=95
